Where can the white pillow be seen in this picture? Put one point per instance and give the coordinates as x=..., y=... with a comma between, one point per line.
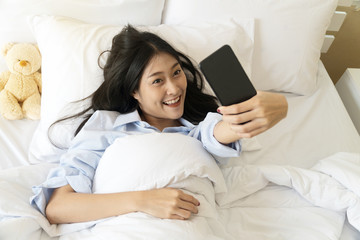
x=288, y=36
x=13, y=15
x=70, y=71
x=154, y=160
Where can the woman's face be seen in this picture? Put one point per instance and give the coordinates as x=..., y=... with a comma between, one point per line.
x=162, y=90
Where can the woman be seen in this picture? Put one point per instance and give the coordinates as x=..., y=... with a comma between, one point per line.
x=148, y=87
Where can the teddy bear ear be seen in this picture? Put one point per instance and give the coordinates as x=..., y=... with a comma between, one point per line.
x=6, y=48
x=37, y=47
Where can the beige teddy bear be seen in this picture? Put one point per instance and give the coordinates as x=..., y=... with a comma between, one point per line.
x=20, y=87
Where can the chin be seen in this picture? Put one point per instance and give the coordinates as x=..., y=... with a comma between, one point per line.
x=181, y=113
x=176, y=115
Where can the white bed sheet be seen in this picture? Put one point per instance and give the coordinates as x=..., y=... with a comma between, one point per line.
x=269, y=202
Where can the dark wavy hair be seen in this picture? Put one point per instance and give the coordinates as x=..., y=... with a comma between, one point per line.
x=129, y=55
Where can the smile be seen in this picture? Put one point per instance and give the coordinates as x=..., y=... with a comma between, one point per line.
x=173, y=101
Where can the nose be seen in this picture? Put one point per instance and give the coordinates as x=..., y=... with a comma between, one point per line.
x=23, y=63
x=172, y=88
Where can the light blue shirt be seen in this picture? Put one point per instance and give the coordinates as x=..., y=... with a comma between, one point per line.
x=79, y=163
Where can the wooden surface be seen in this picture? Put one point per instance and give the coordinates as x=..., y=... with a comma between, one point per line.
x=345, y=50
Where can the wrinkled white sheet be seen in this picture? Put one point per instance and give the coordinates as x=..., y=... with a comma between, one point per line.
x=262, y=202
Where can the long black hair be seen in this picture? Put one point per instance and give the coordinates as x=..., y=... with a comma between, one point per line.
x=129, y=55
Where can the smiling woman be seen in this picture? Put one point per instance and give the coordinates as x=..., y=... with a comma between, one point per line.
x=148, y=87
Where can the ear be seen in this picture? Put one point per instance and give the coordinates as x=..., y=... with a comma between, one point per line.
x=5, y=49
x=136, y=95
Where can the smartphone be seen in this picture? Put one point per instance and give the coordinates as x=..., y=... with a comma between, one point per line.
x=227, y=77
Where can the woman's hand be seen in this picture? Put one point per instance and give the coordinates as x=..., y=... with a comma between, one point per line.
x=256, y=115
x=168, y=203
x=67, y=206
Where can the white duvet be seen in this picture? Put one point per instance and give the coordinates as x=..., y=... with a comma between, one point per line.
x=261, y=202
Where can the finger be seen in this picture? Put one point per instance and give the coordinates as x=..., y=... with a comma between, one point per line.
x=189, y=198
x=253, y=133
x=236, y=108
x=183, y=213
x=246, y=127
x=258, y=131
x=175, y=216
x=188, y=206
x=239, y=107
x=239, y=118
x=249, y=129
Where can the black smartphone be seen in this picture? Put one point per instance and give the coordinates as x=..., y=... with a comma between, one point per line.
x=227, y=77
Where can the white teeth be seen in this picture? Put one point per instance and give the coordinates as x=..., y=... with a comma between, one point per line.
x=172, y=101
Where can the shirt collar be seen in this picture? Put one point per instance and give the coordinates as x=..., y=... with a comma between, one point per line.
x=134, y=116
x=186, y=123
x=126, y=118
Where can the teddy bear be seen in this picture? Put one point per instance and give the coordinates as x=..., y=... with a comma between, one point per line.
x=20, y=86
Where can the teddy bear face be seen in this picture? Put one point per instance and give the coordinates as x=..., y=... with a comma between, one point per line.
x=23, y=59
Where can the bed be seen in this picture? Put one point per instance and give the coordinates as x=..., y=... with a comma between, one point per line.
x=298, y=180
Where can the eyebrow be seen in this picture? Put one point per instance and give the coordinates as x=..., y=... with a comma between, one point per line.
x=157, y=73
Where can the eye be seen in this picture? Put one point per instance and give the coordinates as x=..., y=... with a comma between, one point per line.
x=157, y=81
x=177, y=72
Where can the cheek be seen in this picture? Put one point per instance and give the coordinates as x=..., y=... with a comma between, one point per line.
x=150, y=99
x=184, y=81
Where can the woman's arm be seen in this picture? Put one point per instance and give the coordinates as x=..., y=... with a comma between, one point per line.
x=67, y=206
x=259, y=114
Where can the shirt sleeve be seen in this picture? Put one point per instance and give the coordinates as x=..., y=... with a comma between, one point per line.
x=205, y=133
x=78, y=165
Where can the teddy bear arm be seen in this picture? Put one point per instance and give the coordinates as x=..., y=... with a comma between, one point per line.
x=37, y=77
x=4, y=77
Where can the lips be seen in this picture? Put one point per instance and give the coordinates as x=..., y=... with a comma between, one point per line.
x=172, y=101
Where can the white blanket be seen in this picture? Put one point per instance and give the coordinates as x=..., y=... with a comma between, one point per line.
x=262, y=202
